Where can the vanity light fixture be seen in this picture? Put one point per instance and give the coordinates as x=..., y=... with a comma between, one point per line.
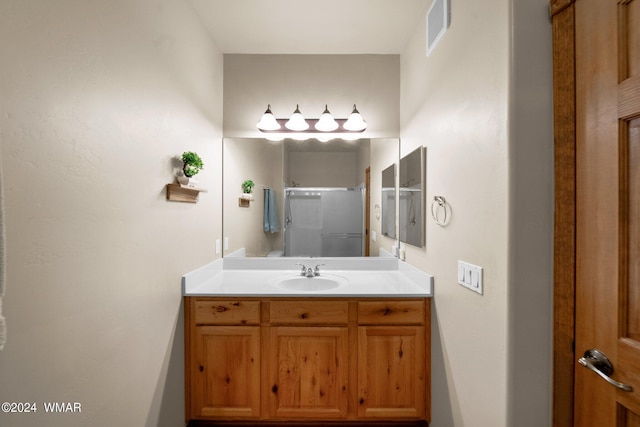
x=296, y=121
x=275, y=137
x=355, y=122
x=268, y=121
x=326, y=137
x=326, y=125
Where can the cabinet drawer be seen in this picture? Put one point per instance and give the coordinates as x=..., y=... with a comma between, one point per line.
x=390, y=312
x=228, y=312
x=309, y=312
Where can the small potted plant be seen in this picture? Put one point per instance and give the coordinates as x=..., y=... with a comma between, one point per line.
x=191, y=165
x=247, y=188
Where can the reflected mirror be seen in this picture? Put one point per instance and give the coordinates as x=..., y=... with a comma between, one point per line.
x=308, y=198
x=411, y=202
x=389, y=201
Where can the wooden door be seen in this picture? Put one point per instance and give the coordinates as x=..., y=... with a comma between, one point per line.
x=391, y=376
x=225, y=372
x=308, y=370
x=607, y=293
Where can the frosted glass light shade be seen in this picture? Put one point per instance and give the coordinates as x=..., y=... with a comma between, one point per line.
x=268, y=121
x=297, y=122
x=326, y=123
x=349, y=136
x=274, y=136
x=355, y=122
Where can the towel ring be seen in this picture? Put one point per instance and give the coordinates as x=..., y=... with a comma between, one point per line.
x=439, y=202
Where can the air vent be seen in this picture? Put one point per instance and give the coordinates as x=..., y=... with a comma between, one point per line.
x=438, y=20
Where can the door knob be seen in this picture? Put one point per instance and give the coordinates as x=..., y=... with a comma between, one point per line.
x=599, y=363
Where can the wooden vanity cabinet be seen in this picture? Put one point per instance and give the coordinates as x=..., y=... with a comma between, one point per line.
x=308, y=372
x=308, y=358
x=269, y=359
x=223, y=364
x=392, y=362
x=226, y=372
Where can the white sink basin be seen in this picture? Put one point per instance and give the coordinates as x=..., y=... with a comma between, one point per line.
x=309, y=284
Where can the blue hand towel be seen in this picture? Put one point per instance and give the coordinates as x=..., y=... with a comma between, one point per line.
x=271, y=216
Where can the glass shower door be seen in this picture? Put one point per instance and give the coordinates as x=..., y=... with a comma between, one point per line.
x=342, y=215
x=324, y=222
x=303, y=223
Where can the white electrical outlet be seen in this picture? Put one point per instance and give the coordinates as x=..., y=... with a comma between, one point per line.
x=218, y=245
x=374, y=236
x=226, y=243
x=470, y=276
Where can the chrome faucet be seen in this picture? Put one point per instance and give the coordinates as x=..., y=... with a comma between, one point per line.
x=316, y=271
x=308, y=271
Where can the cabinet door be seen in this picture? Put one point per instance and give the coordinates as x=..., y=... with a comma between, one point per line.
x=226, y=371
x=391, y=372
x=308, y=371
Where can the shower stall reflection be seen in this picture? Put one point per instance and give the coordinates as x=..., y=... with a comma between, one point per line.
x=324, y=222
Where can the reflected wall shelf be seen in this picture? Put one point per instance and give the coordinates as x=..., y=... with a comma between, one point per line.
x=183, y=193
x=245, y=200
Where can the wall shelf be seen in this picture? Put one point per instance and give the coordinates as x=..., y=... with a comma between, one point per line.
x=183, y=193
x=245, y=200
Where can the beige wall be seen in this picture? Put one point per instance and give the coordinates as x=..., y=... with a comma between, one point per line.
x=483, y=111
x=253, y=81
x=531, y=210
x=261, y=162
x=96, y=100
x=324, y=169
x=364, y=161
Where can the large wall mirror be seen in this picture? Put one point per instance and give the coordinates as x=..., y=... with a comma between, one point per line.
x=308, y=198
x=411, y=201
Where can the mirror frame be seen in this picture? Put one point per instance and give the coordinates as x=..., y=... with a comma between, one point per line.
x=389, y=201
x=416, y=157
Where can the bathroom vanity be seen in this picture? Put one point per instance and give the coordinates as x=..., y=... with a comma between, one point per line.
x=264, y=344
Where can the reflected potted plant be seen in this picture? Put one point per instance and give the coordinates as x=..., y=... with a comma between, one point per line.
x=247, y=188
x=191, y=165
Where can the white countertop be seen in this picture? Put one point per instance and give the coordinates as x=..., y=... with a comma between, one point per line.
x=359, y=277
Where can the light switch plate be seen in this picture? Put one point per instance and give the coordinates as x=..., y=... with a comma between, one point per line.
x=470, y=276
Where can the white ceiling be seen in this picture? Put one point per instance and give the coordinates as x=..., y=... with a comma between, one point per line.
x=311, y=26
